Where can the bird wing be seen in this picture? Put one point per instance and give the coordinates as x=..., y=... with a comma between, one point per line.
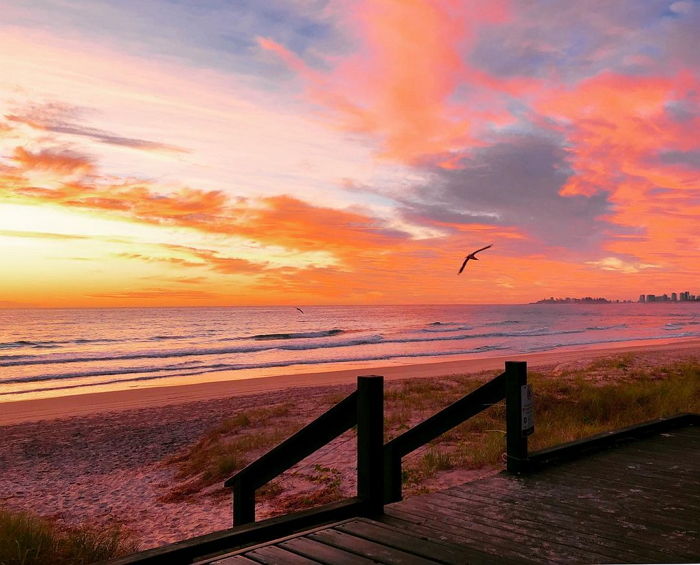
x=300, y=310
x=477, y=251
x=463, y=265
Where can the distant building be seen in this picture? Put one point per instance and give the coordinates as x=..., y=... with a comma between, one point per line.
x=684, y=296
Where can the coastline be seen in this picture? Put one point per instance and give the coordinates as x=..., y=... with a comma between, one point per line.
x=228, y=384
x=110, y=459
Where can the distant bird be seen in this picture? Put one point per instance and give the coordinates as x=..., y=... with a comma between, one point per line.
x=300, y=310
x=472, y=255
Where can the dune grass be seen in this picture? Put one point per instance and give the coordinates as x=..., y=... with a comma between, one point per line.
x=568, y=407
x=570, y=404
x=26, y=539
x=227, y=448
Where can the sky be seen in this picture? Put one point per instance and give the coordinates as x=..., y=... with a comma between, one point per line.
x=300, y=152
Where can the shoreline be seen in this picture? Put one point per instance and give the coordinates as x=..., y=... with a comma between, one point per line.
x=227, y=385
x=114, y=459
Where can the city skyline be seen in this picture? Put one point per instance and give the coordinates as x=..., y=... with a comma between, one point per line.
x=684, y=296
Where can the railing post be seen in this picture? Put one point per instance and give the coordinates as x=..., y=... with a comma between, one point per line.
x=370, y=442
x=516, y=435
x=243, y=503
x=392, y=475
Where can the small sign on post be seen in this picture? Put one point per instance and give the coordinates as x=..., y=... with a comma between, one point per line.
x=527, y=425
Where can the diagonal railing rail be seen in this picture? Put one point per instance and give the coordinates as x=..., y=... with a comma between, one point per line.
x=379, y=466
x=364, y=409
x=507, y=385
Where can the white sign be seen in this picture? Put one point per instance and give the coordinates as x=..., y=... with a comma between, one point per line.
x=528, y=417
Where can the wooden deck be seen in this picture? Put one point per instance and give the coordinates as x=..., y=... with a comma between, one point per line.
x=634, y=504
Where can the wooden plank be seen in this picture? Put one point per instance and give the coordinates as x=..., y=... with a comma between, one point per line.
x=554, y=517
x=571, y=497
x=651, y=466
x=274, y=555
x=678, y=444
x=437, y=534
x=508, y=519
x=611, y=494
x=657, y=457
x=404, y=541
x=486, y=395
x=315, y=434
x=445, y=530
x=558, y=493
x=607, y=440
x=567, y=512
x=615, y=477
x=585, y=535
x=636, y=503
x=610, y=503
x=324, y=553
x=504, y=535
x=234, y=560
x=368, y=548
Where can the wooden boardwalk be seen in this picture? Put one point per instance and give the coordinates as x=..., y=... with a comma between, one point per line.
x=634, y=504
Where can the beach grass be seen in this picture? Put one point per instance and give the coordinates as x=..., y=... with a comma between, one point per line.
x=570, y=403
x=572, y=406
x=227, y=448
x=27, y=539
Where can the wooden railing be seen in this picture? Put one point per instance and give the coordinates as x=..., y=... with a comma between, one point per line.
x=364, y=408
x=379, y=465
x=507, y=385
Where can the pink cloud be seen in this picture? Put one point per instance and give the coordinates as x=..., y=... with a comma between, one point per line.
x=400, y=84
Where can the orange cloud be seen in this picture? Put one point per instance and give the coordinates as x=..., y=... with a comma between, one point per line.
x=282, y=221
x=62, y=162
x=626, y=141
x=616, y=123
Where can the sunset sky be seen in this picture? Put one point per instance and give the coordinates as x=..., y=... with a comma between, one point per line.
x=163, y=153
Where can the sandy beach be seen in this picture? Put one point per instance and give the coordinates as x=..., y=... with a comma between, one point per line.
x=104, y=458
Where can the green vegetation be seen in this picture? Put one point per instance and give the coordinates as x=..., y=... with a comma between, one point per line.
x=26, y=539
x=577, y=408
x=570, y=404
x=227, y=448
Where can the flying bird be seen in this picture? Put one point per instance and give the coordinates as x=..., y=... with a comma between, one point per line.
x=300, y=310
x=472, y=255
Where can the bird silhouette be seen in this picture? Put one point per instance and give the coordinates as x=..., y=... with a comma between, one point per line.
x=472, y=255
x=300, y=310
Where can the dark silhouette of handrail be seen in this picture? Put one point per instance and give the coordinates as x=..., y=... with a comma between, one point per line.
x=506, y=385
x=364, y=409
x=379, y=465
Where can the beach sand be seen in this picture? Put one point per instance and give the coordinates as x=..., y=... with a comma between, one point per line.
x=101, y=458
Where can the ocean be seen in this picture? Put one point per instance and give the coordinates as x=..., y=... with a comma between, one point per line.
x=50, y=352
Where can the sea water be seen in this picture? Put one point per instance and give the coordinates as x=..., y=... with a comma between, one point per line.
x=64, y=351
